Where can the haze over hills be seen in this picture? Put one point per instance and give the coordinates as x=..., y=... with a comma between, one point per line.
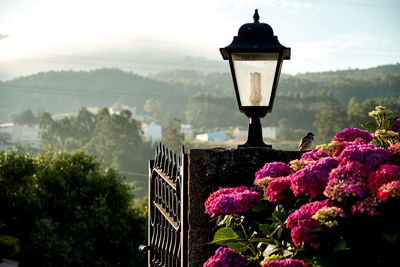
x=67, y=91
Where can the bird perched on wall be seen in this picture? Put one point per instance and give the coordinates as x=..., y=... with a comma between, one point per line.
x=306, y=142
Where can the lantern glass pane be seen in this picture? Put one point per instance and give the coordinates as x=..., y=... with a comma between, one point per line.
x=255, y=73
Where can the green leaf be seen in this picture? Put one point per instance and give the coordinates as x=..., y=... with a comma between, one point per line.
x=238, y=246
x=391, y=237
x=224, y=235
x=376, y=142
x=266, y=229
x=370, y=126
x=341, y=245
x=388, y=123
x=259, y=207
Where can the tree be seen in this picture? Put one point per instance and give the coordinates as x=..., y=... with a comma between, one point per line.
x=67, y=211
x=26, y=116
x=153, y=107
x=172, y=137
x=329, y=121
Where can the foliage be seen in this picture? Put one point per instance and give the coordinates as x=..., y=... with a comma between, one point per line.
x=116, y=139
x=330, y=120
x=25, y=116
x=66, y=211
x=172, y=138
x=338, y=205
x=153, y=107
x=382, y=127
x=209, y=110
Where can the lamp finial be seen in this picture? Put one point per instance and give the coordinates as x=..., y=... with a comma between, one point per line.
x=256, y=17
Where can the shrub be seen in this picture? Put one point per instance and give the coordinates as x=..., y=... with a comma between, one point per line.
x=66, y=211
x=338, y=205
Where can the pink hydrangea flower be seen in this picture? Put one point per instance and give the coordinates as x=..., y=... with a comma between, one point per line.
x=391, y=189
x=386, y=173
x=285, y=263
x=351, y=134
x=232, y=200
x=341, y=190
x=273, y=169
x=348, y=180
x=367, y=206
x=312, y=179
x=369, y=155
x=226, y=257
x=278, y=189
x=342, y=145
x=302, y=224
x=314, y=154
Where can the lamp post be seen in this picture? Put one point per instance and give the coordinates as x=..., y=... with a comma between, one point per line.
x=255, y=58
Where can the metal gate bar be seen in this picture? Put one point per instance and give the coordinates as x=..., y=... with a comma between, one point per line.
x=167, y=237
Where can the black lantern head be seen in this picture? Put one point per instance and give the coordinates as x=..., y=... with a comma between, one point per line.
x=255, y=57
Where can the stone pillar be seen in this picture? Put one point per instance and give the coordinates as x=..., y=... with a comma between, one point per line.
x=211, y=169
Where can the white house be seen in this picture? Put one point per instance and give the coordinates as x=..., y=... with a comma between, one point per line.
x=212, y=137
x=152, y=131
x=24, y=133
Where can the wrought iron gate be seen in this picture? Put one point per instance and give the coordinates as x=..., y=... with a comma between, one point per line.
x=167, y=231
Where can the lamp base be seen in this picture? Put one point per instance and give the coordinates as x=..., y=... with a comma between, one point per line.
x=255, y=138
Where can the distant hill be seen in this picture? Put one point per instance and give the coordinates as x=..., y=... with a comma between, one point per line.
x=67, y=91
x=351, y=73
x=381, y=81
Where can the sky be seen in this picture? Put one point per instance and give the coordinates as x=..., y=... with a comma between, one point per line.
x=148, y=36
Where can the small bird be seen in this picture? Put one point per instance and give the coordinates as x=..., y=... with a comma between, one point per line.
x=306, y=142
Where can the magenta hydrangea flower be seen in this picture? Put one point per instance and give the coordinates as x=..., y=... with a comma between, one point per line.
x=226, y=257
x=342, y=145
x=314, y=154
x=348, y=180
x=285, y=263
x=278, y=189
x=273, y=169
x=391, y=189
x=386, y=174
x=341, y=190
x=396, y=126
x=312, y=179
x=351, y=134
x=369, y=155
x=232, y=200
x=302, y=224
x=367, y=206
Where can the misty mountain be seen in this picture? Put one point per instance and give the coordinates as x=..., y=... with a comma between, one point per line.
x=67, y=91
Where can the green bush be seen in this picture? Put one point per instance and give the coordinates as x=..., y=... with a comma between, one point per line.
x=66, y=211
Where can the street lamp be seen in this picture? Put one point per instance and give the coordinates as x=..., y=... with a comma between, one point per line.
x=255, y=58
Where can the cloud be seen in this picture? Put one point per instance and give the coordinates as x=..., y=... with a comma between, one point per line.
x=3, y=36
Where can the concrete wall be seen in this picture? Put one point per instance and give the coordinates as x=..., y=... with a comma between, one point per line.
x=211, y=169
